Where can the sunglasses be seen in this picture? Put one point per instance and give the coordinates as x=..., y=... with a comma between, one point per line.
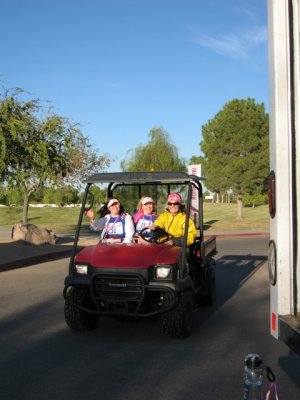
x=173, y=204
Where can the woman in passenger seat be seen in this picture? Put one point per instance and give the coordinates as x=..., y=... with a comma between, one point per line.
x=116, y=226
x=145, y=215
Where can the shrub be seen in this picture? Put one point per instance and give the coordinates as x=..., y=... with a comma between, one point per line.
x=253, y=200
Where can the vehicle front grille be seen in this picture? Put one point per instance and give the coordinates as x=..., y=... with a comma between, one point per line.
x=128, y=295
x=128, y=287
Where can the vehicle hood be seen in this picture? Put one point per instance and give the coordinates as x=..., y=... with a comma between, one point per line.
x=138, y=256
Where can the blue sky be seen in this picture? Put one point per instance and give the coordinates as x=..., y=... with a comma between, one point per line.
x=123, y=67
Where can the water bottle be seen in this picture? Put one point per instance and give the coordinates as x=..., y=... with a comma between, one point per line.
x=253, y=377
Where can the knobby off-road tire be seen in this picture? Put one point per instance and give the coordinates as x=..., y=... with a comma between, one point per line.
x=77, y=319
x=178, y=323
x=207, y=294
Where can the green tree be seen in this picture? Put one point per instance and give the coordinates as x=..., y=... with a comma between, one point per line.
x=99, y=195
x=40, y=150
x=2, y=195
x=194, y=160
x=71, y=195
x=14, y=197
x=49, y=196
x=37, y=196
x=235, y=149
x=158, y=154
x=25, y=155
x=83, y=159
x=66, y=195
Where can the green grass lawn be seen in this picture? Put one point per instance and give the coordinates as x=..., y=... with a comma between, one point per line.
x=217, y=217
x=59, y=220
x=223, y=217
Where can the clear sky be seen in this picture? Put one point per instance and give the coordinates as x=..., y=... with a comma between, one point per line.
x=123, y=67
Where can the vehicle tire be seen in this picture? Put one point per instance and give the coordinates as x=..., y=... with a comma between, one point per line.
x=75, y=318
x=178, y=322
x=207, y=294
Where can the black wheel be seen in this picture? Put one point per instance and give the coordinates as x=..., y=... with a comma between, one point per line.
x=76, y=318
x=158, y=235
x=178, y=323
x=206, y=295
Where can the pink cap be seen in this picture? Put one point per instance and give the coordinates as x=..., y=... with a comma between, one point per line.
x=174, y=198
x=111, y=202
x=147, y=200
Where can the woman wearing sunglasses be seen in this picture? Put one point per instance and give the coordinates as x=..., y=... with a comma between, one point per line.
x=173, y=222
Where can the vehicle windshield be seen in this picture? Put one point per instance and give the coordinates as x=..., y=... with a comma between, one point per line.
x=130, y=194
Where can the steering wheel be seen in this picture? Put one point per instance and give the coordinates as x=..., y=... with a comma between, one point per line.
x=158, y=235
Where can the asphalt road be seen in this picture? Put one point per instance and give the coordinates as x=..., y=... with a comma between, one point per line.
x=42, y=359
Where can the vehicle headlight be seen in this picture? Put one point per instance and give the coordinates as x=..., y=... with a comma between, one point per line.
x=162, y=271
x=81, y=269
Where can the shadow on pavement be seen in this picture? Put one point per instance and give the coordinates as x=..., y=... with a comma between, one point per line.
x=232, y=271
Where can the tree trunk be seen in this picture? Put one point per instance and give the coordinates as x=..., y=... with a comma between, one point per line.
x=25, y=207
x=240, y=206
x=228, y=198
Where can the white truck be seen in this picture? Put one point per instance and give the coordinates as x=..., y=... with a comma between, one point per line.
x=284, y=178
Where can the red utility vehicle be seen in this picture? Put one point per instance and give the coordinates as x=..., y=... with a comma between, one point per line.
x=133, y=280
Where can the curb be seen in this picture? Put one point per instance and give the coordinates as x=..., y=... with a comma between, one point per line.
x=240, y=233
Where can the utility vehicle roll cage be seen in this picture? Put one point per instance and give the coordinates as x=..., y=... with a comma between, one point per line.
x=140, y=179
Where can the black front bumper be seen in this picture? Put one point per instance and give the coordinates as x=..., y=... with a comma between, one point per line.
x=127, y=294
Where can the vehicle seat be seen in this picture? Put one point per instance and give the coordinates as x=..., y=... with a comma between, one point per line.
x=195, y=250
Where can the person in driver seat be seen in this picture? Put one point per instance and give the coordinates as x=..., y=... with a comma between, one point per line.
x=173, y=222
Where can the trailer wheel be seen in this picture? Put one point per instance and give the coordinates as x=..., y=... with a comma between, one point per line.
x=76, y=318
x=178, y=322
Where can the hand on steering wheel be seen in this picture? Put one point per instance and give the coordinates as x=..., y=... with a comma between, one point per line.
x=157, y=235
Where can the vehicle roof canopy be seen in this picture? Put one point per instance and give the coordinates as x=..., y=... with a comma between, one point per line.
x=143, y=177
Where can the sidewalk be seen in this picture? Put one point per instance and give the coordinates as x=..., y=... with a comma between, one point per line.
x=17, y=254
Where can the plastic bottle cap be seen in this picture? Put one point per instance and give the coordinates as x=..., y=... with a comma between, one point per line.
x=253, y=360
